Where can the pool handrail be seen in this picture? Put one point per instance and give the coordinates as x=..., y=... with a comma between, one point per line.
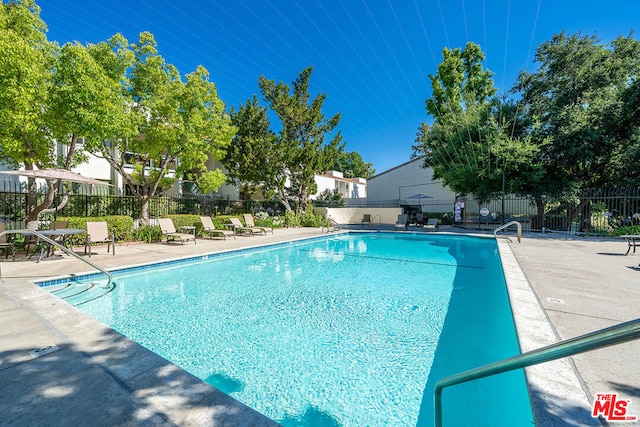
x=509, y=224
x=67, y=251
x=613, y=335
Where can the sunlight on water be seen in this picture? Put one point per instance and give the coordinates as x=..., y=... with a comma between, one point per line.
x=341, y=331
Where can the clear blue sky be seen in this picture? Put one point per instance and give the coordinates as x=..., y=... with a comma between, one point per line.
x=371, y=57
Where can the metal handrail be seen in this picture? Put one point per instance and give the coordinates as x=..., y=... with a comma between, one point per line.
x=509, y=224
x=53, y=242
x=617, y=334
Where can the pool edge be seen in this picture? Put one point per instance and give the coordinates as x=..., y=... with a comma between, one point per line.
x=553, y=386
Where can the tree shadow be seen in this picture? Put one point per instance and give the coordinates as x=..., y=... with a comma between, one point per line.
x=312, y=417
x=625, y=388
x=109, y=381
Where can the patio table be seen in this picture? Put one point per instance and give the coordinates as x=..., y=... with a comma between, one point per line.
x=46, y=248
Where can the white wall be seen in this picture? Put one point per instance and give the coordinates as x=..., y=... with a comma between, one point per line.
x=345, y=186
x=354, y=215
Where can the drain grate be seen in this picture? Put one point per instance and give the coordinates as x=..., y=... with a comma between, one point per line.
x=43, y=350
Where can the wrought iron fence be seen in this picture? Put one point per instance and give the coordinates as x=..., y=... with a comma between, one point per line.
x=13, y=205
x=596, y=210
x=592, y=210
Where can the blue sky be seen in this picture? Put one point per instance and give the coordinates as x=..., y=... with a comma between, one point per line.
x=371, y=57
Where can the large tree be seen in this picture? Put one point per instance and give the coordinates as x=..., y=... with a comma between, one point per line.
x=253, y=158
x=472, y=143
x=288, y=160
x=582, y=103
x=177, y=125
x=50, y=95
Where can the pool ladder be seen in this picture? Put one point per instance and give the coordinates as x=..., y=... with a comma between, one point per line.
x=509, y=224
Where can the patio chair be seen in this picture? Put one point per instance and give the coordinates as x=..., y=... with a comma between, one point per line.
x=209, y=228
x=248, y=219
x=366, y=220
x=402, y=222
x=432, y=224
x=239, y=228
x=169, y=231
x=98, y=232
x=6, y=243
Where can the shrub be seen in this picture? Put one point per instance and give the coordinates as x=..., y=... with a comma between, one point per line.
x=148, y=234
x=120, y=225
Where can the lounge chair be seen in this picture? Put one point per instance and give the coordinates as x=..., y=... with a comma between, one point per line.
x=239, y=228
x=98, y=232
x=6, y=243
x=366, y=220
x=209, y=228
x=248, y=219
x=402, y=222
x=432, y=224
x=169, y=231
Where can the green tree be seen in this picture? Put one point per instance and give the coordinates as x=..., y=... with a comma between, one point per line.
x=351, y=164
x=284, y=164
x=50, y=96
x=582, y=106
x=253, y=158
x=472, y=143
x=178, y=125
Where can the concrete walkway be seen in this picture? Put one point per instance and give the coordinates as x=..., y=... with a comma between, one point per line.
x=86, y=374
x=586, y=284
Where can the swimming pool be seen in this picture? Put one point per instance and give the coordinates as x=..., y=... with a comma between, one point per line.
x=349, y=330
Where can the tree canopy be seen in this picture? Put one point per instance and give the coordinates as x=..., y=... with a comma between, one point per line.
x=289, y=159
x=471, y=143
x=582, y=106
x=172, y=128
x=49, y=93
x=352, y=165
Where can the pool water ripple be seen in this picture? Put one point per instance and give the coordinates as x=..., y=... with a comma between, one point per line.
x=341, y=331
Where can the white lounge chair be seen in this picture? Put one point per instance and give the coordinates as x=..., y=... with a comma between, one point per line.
x=98, y=232
x=209, y=228
x=248, y=219
x=238, y=227
x=169, y=230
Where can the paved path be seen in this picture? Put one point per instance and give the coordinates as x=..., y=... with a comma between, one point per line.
x=95, y=376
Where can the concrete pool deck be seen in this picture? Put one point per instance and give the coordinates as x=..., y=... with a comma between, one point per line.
x=86, y=374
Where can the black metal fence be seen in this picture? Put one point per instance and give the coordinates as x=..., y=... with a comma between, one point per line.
x=597, y=210
x=594, y=210
x=13, y=205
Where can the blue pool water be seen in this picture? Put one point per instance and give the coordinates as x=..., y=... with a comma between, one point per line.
x=351, y=330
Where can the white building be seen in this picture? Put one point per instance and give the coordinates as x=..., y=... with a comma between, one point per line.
x=410, y=185
x=348, y=188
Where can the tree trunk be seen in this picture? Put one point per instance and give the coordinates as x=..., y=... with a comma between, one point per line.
x=144, y=210
x=538, y=221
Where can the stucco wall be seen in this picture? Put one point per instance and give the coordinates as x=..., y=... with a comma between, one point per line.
x=354, y=215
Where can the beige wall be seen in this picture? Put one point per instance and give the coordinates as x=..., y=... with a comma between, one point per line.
x=354, y=215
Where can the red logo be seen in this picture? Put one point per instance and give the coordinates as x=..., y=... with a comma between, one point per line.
x=611, y=408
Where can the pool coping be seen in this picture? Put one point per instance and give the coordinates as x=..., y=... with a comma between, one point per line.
x=552, y=385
